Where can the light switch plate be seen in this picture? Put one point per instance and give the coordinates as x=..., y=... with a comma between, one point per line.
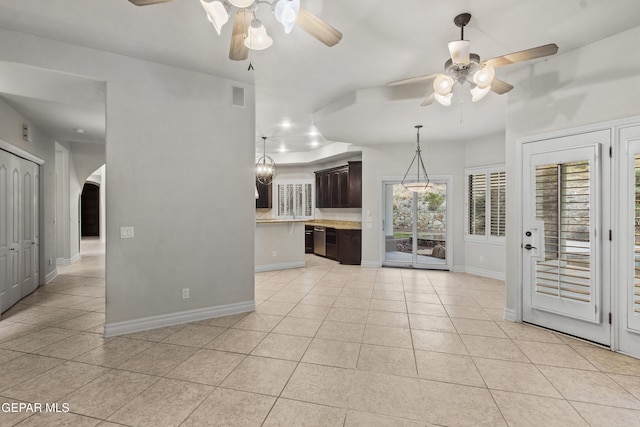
x=126, y=232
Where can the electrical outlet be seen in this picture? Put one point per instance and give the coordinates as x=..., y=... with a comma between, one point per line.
x=126, y=232
x=50, y=261
x=273, y=253
x=185, y=293
x=481, y=258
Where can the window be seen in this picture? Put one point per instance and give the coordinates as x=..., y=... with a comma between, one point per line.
x=294, y=199
x=486, y=204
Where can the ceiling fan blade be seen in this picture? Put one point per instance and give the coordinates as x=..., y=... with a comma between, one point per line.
x=238, y=51
x=500, y=87
x=428, y=101
x=412, y=80
x=523, y=55
x=318, y=28
x=148, y=2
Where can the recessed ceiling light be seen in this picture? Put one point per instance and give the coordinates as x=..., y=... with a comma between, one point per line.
x=282, y=149
x=78, y=130
x=314, y=143
x=314, y=132
x=285, y=124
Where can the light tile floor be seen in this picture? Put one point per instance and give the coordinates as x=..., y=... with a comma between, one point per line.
x=328, y=345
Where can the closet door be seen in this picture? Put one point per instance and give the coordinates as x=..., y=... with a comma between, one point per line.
x=28, y=221
x=19, y=232
x=9, y=230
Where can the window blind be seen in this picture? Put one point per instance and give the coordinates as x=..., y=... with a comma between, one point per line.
x=498, y=188
x=477, y=204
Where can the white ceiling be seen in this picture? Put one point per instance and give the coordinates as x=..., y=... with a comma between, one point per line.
x=338, y=91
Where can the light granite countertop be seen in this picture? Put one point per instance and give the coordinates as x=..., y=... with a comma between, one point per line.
x=337, y=224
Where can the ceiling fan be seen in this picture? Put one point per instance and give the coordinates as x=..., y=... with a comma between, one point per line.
x=465, y=67
x=248, y=31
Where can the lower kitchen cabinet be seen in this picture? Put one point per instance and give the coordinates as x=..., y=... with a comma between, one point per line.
x=332, y=243
x=308, y=239
x=349, y=246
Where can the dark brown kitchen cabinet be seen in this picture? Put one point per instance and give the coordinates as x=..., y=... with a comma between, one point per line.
x=332, y=243
x=308, y=239
x=349, y=246
x=264, y=195
x=339, y=187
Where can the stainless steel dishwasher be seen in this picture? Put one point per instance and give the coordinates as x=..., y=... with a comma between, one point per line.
x=319, y=241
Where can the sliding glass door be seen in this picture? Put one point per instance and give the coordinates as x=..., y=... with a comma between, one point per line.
x=416, y=226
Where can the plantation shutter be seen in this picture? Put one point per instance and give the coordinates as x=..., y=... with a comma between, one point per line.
x=636, y=246
x=477, y=204
x=498, y=187
x=563, y=204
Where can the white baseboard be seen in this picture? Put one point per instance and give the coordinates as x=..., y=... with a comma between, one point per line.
x=154, y=322
x=65, y=261
x=49, y=277
x=459, y=269
x=485, y=273
x=510, y=314
x=281, y=266
x=370, y=264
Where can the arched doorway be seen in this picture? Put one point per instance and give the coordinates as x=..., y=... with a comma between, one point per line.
x=90, y=210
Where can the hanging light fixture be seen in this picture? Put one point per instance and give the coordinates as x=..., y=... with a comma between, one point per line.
x=265, y=165
x=257, y=37
x=420, y=181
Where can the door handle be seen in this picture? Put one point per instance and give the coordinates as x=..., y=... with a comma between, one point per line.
x=12, y=249
x=529, y=247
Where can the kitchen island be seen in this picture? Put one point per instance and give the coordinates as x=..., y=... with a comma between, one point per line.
x=279, y=244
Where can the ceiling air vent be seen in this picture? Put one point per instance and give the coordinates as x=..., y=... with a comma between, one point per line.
x=237, y=96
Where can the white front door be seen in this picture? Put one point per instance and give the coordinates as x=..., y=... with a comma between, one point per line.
x=565, y=235
x=627, y=240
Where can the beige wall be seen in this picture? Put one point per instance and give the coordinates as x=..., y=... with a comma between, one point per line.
x=180, y=162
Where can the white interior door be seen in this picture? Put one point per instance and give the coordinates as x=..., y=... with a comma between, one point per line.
x=416, y=232
x=28, y=221
x=627, y=318
x=563, y=235
x=19, y=232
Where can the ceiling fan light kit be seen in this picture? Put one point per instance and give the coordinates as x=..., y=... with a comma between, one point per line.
x=241, y=3
x=464, y=67
x=217, y=13
x=257, y=37
x=286, y=12
x=249, y=33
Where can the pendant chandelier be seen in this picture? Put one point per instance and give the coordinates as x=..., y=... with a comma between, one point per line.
x=265, y=166
x=420, y=181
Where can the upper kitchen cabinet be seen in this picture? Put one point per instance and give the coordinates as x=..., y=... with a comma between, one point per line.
x=340, y=187
x=264, y=195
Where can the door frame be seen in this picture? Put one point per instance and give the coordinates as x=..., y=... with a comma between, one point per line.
x=515, y=276
x=448, y=180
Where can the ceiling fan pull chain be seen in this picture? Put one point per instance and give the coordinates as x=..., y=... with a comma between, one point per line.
x=461, y=110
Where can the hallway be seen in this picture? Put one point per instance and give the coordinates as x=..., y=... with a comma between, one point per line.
x=328, y=345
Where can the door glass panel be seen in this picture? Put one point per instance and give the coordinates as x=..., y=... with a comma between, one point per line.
x=563, y=204
x=398, y=224
x=416, y=226
x=432, y=225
